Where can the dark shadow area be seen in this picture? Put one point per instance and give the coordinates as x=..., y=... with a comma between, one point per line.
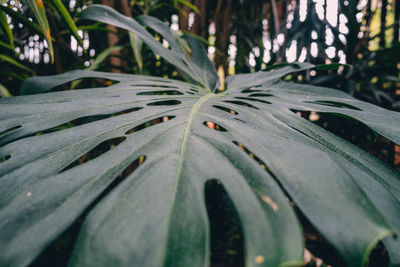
x=87, y=119
x=241, y=103
x=97, y=151
x=227, y=240
x=164, y=92
x=58, y=253
x=316, y=244
x=84, y=84
x=360, y=135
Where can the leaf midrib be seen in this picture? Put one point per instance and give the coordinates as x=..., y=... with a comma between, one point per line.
x=186, y=134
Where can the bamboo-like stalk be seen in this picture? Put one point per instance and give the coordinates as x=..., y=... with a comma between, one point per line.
x=396, y=21
x=383, y=24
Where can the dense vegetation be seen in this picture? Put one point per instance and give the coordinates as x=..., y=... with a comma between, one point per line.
x=202, y=168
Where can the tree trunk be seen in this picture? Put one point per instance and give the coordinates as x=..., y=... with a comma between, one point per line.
x=200, y=24
x=396, y=21
x=383, y=24
x=184, y=17
x=112, y=39
x=223, y=24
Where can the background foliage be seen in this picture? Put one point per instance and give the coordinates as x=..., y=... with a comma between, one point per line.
x=241, y=36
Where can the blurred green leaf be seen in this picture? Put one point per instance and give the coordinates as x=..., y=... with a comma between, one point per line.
x=4, y=24
x=38, y=10
x=67, y=17
x=4, y=91
x=19, y=17
x=7, y=46
x=15, y=63
x=96, y=63
x=188, y=4
x=136, y=45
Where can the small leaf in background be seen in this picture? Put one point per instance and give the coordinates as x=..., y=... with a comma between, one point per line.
x=136, y=45
x=67, y=17
x=96, y=63
x=4, y=91
x=38, y=10
x=188, y=4
x=7, y=29
x=6, y=46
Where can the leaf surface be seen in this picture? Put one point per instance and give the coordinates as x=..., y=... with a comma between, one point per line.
x=172, y=137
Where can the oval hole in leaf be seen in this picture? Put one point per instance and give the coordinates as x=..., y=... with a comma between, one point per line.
x=214, y=126
x=226, y=109
x=165, y=103
x=63, y=101
x=149, y=124
x=9, y=130
x=132, y=167
x=359, y=134
x=254, y=157
x=226, y=234
x=241, y=103
x=7, y=157
x=165, y=92
x=260, y=95
x=191, y=93
x=97, y=151
x=185, y=63
x=334, y=104
x=85, y=83
x=59, y=251
x=252, y=89
x=316, y=244
x=114, y=96
x=239, y=120
x=87, y=119
x=379, y=256
x=253, y=99
x=154, y=86
x=265, y=167
x=159, y=80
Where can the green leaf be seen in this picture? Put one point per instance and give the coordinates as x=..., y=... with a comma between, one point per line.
x=38, y=10
x=7, y=46
x=22, y=19
x=67, y=17
x=172, y=137
x=15, y=63
x=175, y=55
x=102, y=56
x=4, y=24
x=188, y=4
x=136, y=45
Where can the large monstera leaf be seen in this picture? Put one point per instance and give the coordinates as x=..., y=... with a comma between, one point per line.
x=177, y=136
